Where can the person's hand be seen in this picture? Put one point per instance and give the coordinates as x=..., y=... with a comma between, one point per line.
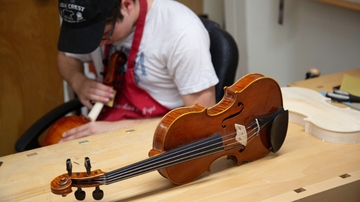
x=91, y=128
x=96, y=127
x=72, y=70
x=89, y=90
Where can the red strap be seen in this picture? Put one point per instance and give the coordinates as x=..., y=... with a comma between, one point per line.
x=138, y=34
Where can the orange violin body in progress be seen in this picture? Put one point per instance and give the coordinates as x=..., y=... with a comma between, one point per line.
x=61, y=126
x=245, y=125
x=66, y=123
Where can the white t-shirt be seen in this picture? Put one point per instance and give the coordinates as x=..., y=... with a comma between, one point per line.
x=174, y=55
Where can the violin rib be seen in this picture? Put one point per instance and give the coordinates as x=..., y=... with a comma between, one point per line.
x=325, y=121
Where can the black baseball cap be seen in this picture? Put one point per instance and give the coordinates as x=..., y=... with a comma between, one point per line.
x=83, y=24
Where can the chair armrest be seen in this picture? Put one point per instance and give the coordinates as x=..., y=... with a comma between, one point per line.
x=29, y=140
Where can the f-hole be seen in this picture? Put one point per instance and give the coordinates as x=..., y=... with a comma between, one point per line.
x=239, y=105
x=242, y=148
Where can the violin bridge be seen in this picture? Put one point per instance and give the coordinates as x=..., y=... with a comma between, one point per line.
x=241, y=134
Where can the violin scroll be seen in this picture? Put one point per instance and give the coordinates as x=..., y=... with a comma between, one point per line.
x=116, y=59
x=62, y=185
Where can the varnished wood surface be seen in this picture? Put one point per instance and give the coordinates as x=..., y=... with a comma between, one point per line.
x=304, y=161
x=30, y=84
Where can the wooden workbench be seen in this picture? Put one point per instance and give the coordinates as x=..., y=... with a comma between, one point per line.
x=325, y=82
x=305, y=169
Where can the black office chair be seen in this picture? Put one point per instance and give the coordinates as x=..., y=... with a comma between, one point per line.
x=224, y=55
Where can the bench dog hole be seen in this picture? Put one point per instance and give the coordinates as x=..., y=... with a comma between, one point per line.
x=299, y=190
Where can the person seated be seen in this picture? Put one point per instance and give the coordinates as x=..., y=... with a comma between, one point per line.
x=167, y=53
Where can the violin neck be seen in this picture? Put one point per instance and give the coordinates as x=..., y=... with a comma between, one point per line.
x=212, y=144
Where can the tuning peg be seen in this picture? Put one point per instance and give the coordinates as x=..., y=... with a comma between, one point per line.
x=69, y=167
x=80, y=194
x=98, y=194
x=87, y=165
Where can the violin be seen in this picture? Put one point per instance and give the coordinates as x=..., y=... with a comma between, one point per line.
x=325, y=121
x=66, y=123
x=247, y=124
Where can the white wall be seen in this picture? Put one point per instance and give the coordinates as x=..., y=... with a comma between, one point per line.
x=314, y=34
x=215, y=10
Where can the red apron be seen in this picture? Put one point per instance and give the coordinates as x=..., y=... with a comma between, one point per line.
x=131, y=101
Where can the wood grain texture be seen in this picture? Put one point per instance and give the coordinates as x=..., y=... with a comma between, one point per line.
x=320, y=118
x=30, y=84
x=326, y=83
x=304, y=161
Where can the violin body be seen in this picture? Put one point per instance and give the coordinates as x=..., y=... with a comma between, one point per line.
x=251, y=97
x=62, y=125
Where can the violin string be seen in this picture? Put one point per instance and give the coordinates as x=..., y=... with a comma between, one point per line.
x=131, y=172
x=142, y=170
x=251, y=132
x=158, y=165
x=127, y=173
x=191, y=153
x=161, y=160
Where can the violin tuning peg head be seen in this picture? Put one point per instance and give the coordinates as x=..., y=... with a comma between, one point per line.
x=98, y=194
x=80, y=194
x=69, y=167
x=87, y=165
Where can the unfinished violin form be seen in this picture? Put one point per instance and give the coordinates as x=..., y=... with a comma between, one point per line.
x=247, y=124
x=325, y=121
x=69, y=122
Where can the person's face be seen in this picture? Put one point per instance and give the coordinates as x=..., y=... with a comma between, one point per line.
x=119, y=30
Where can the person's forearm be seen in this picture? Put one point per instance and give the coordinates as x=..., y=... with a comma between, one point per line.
x=71, y=69
x=205, y=98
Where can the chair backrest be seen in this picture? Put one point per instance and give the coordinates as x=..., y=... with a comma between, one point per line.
x=224, y=55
